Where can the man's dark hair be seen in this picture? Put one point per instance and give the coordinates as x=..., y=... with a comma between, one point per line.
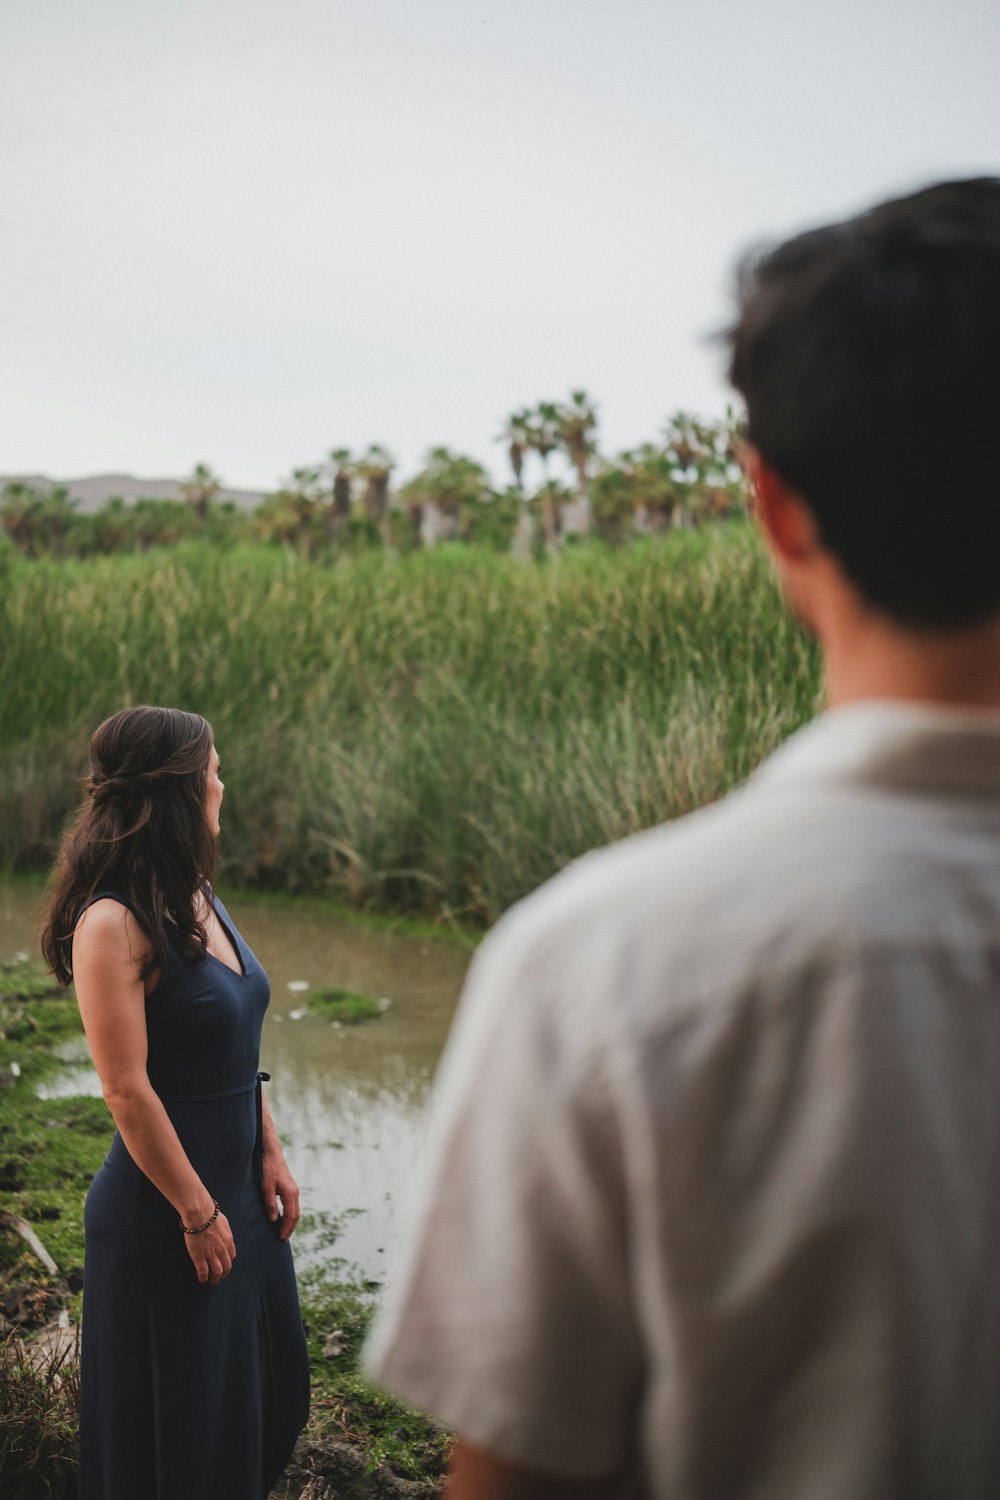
x=868, y=354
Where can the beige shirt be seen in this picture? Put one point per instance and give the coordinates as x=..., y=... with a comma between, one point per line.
x=713, y=1182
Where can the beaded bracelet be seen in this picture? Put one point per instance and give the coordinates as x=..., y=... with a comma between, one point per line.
x=207, y=1224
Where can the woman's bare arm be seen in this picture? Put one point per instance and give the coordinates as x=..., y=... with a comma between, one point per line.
x=108, y=952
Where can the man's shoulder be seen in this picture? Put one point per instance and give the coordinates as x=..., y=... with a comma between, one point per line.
x=675, y=866
x=668, y=909
x=678, y=920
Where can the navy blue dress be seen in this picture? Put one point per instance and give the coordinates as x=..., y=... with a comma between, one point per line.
x=189, y=1391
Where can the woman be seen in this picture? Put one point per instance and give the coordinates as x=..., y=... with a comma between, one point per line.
x=194, y=1373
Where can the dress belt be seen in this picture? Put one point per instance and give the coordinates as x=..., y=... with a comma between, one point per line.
x=243, y=1088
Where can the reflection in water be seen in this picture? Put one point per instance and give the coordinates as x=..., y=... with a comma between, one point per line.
x=77, y=1077
x=348, y=1100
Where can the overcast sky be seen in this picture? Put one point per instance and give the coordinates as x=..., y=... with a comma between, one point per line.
x=247, y=232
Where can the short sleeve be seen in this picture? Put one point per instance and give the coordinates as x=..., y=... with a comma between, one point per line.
x=510, y=1317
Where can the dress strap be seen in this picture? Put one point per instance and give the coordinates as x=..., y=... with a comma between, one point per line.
x=108, y=896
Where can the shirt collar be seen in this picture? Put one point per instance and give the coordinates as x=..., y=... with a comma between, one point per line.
x=893, y=745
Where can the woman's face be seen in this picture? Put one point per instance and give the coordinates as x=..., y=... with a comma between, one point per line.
x=213, y=793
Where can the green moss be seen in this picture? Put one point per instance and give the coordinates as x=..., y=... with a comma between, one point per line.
x=21, y=980
x=49, y=1148
x=346, y=1006
x=345, y=1405
x=36, y=1015
x=49, y=1152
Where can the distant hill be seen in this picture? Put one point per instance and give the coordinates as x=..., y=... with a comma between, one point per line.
x=93, y=492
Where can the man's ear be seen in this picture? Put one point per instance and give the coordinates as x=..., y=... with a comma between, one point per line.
x=788, y=525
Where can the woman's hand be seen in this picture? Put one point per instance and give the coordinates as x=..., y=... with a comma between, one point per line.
x=278, y=1182
x=212, y=1251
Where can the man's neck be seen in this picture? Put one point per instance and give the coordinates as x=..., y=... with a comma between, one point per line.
x=869, y=656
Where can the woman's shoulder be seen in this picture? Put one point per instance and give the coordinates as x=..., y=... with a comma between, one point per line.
x=109, y=940
x=109, y=946
x=110, y=920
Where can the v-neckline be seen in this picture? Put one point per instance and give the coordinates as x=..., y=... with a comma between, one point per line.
x=241, y=972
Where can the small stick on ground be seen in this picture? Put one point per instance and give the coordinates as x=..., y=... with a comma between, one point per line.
x=23, y=1228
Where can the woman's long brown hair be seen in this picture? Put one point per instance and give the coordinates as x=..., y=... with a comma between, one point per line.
x=141, y=832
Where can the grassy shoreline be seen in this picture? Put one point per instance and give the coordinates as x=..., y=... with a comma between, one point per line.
x=422, y=929
x=49, y=1151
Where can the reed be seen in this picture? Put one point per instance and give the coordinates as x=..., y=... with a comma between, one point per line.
x=437, y=732
x=39, y=1399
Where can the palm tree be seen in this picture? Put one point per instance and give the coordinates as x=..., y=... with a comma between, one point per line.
x=115, y=525
x=461, y=492
x=656, y=488
x=284, y=517
x=340, y=506
x=543, y=432
x=577, y=423
x=414, y=498
x=36, y=521
x=458, y=487
x=200, y=488
x=289, y=515
x=307, y=482
x=493, y=520
x=549, y=502
x=19, y=511
x=613, y=499
x=703, y=459
x=517, y=435
x=375, y=467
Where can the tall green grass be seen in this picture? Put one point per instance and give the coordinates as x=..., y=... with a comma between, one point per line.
x=437, y=732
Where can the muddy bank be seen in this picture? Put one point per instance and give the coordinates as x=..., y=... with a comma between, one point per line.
x=324, y=1469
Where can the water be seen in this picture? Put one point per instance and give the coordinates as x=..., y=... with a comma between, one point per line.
x=348, y=1101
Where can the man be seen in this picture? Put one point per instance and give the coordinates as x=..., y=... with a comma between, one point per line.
x=713, y=1193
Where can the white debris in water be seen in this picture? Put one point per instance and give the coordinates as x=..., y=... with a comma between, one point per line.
x=299, y=986
x=296, y=1015
x=20, y=958
x=384, y=1004
x=15, y=1070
